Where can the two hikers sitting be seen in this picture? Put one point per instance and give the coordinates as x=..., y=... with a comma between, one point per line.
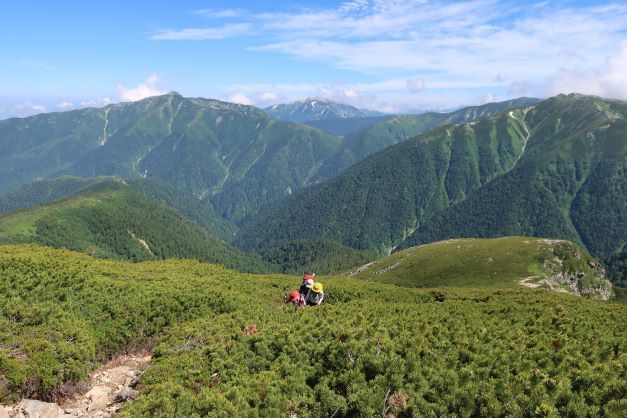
x=310, y=293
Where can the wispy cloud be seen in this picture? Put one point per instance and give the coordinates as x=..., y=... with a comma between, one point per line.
x=610, y=80
x=219, y=14
x=65, y=105
x=518, y=47
x=198, y=34
x=23, y=109
x=141, y=91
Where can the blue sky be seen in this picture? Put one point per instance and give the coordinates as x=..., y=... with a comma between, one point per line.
x=388, y=55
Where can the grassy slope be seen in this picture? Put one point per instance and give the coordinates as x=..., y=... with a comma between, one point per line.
x=491, y=263
x=110, y=220
x=42, y=192
x=228, y=346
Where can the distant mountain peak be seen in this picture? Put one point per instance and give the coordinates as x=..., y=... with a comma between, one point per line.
x=317, y=108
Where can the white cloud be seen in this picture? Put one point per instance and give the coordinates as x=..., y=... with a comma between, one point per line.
x=218, y=14
x=465, y=40
x=197, y=34
x=489, y=97
x=96, y=102
x=414, y=86
x=518, y=88
x=610, y=80
x=23, y=109
x=141, y=91
x=65, y=105
x=240, y=98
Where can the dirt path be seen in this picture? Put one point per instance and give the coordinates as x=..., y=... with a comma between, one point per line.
x=527, y=282
x=110, y=387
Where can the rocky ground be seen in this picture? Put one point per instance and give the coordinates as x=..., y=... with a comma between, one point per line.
x=110, y=387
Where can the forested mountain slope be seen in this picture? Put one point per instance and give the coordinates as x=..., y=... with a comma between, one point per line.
x=233, y=155
x=42, y=192
x=570, y=183
x=395, y=129
x=556, y=169
x=110, y=220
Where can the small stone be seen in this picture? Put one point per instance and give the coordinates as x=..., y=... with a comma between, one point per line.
x=100, y=402
x=96, y=392
x=4, y=412
x=37, y=409
x=125, y=395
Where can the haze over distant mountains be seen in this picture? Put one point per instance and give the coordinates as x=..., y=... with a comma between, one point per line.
x=315, y=109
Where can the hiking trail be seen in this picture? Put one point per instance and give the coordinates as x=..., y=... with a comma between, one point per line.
x=110, y=387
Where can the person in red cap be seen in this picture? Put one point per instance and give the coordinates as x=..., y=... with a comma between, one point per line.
x=296, y=298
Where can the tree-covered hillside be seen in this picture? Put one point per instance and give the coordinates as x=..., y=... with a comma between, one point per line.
x=556, y=169
x=226, y=345
x=376, y=203
x=395, y=129
x=570, y=183
x=232, y=155
x=42, y=192
x=110, y=220
x=320, y=256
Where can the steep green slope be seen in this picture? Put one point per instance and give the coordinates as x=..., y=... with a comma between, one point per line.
x=227, y=346
x=47, y=191
x=232, y=154
x=570, y=183
x=233, y=157
x=395, y=129
x=112, y=221
x=41, y=192
x=553, y=170
x=376, y=203
x=500, y=262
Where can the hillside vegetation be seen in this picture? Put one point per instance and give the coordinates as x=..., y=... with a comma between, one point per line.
x=110, y=220
x=493, y=263
x=226, y=345
x=234, y=158
x=316, y=256
x=553, y=170
x=42, y=192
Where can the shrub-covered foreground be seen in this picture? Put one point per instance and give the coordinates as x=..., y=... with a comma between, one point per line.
x=229, y=347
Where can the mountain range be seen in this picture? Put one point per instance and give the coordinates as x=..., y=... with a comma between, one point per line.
x=233, y=157
x=553, y=169
x=316, y=109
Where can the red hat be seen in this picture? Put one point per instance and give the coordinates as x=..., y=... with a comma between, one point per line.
x=293, y=296
x=309, y=276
